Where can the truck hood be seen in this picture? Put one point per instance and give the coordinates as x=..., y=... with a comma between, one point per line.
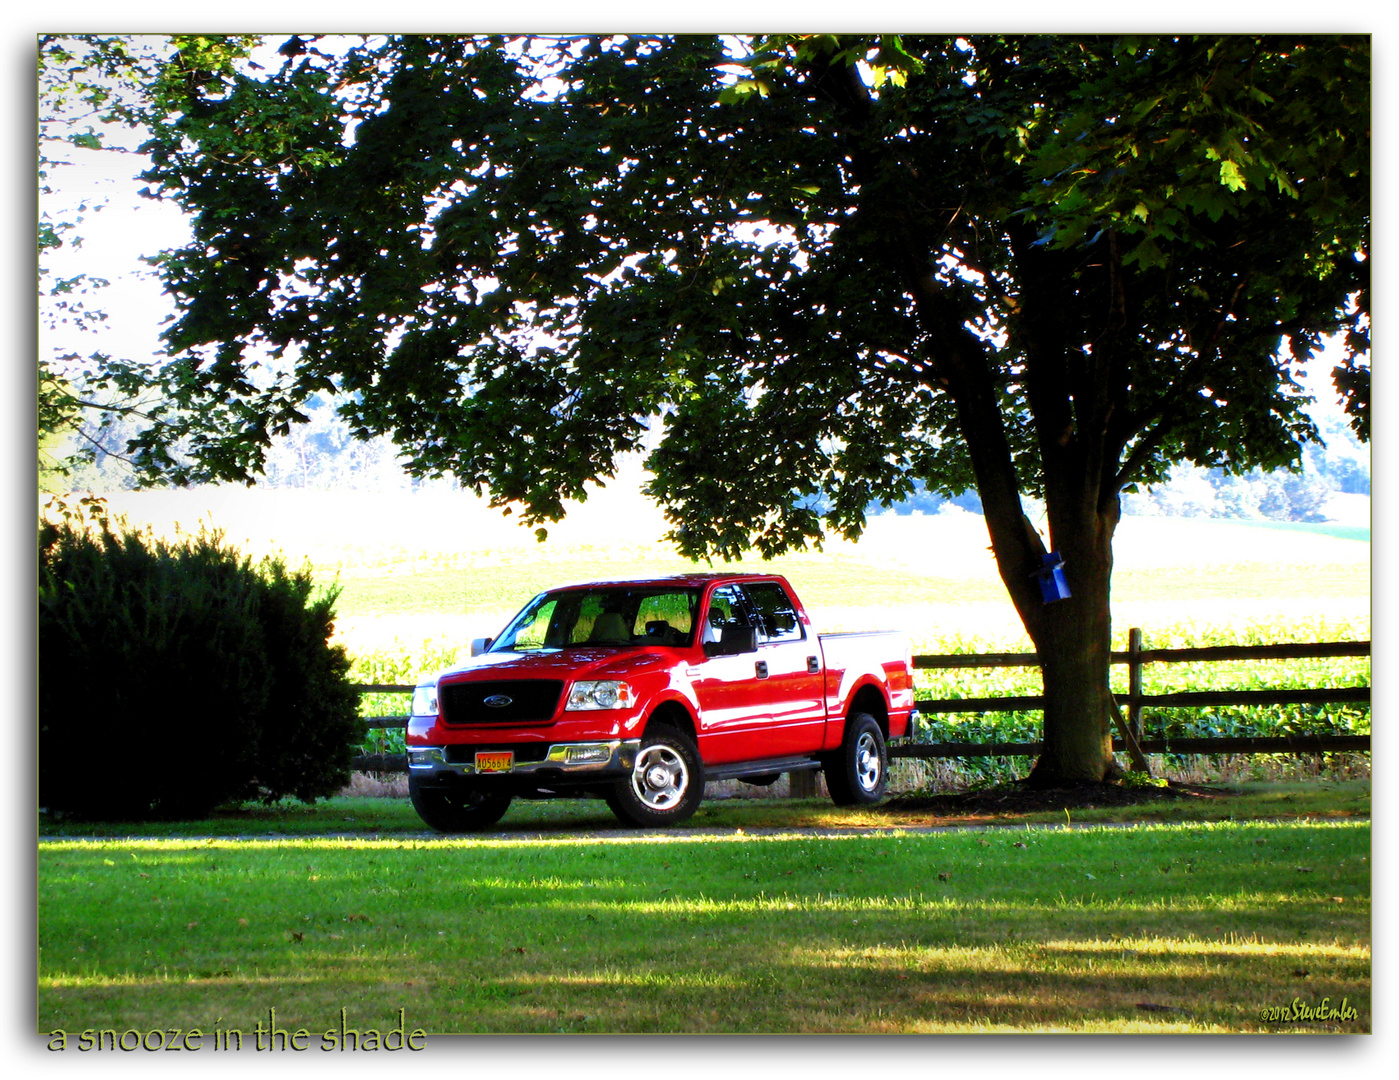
x=576, y=663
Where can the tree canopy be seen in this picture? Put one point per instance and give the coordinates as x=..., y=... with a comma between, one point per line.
x=508, y=252
x=92, y=103
x=833, y=267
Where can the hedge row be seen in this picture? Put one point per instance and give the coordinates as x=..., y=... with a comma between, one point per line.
x=174, y=677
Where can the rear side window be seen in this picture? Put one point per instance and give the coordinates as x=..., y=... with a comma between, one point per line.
x=777, y=617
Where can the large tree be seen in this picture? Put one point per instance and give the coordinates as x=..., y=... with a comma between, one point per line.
x=1039, y=266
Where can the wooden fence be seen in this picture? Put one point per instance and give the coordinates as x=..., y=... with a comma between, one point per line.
x=1134, y=702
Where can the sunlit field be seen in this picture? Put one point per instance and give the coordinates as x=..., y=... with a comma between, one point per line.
x=442, y=567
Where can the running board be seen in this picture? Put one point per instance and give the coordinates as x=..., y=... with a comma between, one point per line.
x=736, y=770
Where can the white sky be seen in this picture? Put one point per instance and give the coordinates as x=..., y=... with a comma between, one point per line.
x=114, y=239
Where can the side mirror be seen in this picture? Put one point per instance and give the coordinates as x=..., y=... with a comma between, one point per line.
x=480, y=645
x=732, y=641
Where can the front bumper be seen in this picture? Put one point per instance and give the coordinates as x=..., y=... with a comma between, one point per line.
x=574, y=761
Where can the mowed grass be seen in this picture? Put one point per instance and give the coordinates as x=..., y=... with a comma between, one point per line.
x=1195, y=927
x=1317, y=800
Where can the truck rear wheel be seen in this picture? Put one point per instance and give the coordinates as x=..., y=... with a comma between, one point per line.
x=858, y=773
x=456, y=811
x=666, y=782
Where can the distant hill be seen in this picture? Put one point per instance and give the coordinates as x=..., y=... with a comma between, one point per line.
x=322, y=455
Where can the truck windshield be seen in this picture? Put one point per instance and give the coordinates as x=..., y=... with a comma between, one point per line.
x=603, y=617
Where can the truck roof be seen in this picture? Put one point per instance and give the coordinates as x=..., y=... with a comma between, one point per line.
x=697, y=579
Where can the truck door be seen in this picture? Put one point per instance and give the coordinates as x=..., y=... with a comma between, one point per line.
x=731, y=709
x=789, y=672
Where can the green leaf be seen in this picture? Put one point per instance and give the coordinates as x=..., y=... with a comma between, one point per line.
x=1231, y=176
x=740, y=91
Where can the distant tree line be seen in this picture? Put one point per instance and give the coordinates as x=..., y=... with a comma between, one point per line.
x=1339, y=466
x=323, y=454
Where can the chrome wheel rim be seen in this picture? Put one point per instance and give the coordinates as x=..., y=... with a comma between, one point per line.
x=659, y=777
x=868, y=767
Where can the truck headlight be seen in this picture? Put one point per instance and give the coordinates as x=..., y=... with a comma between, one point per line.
x=425, y=701
x=603, y=694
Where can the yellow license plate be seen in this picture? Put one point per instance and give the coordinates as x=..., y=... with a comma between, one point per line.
x=495, y=761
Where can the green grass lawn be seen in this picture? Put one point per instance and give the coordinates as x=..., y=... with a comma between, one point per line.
x=390, y=817
x=1179, y=927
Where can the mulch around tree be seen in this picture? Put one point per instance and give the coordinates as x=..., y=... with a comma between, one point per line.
x=1019, y=797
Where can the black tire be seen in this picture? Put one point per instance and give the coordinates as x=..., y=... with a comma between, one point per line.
x=666, y=782
x=457, y=811
x=858, y=773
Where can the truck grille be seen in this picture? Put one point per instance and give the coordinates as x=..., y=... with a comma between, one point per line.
x=521, y=701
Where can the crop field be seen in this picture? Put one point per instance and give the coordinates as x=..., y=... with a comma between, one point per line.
x=415, y=567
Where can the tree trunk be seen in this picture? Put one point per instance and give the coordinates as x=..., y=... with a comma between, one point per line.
x=1070, y=394
x=1072, y=636
x=1074, y=640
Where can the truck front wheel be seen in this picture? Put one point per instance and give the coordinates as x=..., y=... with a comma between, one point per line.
x=858, y=773
x=456, y=811
x=666, y=782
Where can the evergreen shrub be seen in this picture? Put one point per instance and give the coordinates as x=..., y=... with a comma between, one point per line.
x=176, y=676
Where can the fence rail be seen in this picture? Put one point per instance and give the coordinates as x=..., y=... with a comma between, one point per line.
x=1204, y=744
x=1134, y=701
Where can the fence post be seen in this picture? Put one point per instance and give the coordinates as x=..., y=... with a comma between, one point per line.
x=801, y=784
x=1134, y=682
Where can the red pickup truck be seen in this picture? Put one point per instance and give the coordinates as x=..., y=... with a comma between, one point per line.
x=640, y=691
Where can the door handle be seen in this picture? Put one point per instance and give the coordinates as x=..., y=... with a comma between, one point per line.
x=813, y=665
x=761, y=669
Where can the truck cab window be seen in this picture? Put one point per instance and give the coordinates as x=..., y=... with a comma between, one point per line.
x=777, y=617
x=665, y=618
x=725, y=609
x=531, y=629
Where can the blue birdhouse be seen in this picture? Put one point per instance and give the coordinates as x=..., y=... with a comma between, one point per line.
x=1053, y=586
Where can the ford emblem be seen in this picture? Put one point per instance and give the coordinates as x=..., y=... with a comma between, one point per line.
x=497, y=701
